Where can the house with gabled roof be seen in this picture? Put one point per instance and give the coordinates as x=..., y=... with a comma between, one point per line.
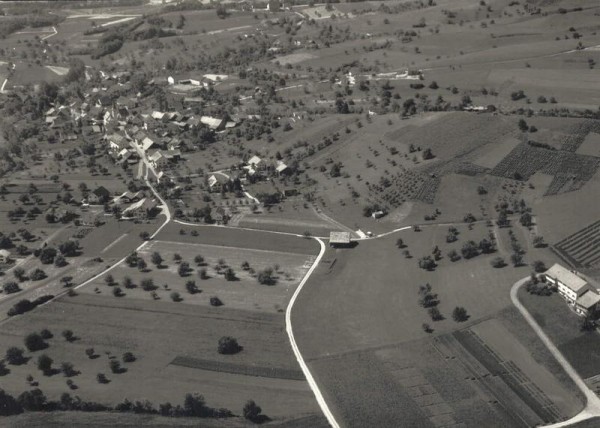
x=116, y=143
x=98, y=196
x=144, y=208
x=576, y=290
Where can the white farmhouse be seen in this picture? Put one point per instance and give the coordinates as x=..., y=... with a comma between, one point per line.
x=578, y=292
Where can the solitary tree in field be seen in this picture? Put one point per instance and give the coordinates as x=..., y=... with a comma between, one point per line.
x=252, y=411
x=435, y=314
x=35, y=342
x=516, y=259
x=101, y=378
x=459, y=314
x=147, y=284
x=128, y=283
x=498, y=262
x=427, y=328
x=526, y=219
x=427, y=263
x=400, y=243
x=539, y=266
x=11, y=287
x=177, y=258
x=19, y=273
x=115, y=366
x=67, y=369
x=156, y=259
x=68, y=335
x=453, y=256
x=469, y=250
x=191, y=287
x=44, y=363
x=523, y=125
x=228, y=345
x=141, y=264
x=109, y=279
x=538, y=242
x=265, y=277
x=199, y=260
x=15, y=356
x=230, y=275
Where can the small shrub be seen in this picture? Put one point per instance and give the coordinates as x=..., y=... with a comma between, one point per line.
x=128, y=357
x=228, y=345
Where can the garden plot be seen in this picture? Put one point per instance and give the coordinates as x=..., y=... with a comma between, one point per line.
x=243, y=292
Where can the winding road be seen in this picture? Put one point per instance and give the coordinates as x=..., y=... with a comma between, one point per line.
x=592, y=407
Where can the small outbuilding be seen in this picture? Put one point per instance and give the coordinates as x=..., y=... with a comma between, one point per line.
x=4, y=256
x=339, y=239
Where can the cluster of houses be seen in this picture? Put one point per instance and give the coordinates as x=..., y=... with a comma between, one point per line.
x=254, y=169
x=139, y=206
x=580, y=295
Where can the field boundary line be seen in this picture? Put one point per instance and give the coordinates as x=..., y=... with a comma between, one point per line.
x=306, y=255
x=187, y=223
x=115, y=242
x=592, y=406
x=288, y=327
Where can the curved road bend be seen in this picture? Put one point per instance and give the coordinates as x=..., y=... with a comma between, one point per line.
x=592, y=407
x=288, y=327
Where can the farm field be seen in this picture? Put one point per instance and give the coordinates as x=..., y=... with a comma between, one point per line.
x=379, y=315
x=456, y=141
x=114, y=326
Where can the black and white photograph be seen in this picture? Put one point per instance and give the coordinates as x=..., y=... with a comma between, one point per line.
x=300, y=213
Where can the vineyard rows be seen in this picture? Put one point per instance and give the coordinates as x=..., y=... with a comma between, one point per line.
x=583, y=247
x=578, y=133
x=571, y=171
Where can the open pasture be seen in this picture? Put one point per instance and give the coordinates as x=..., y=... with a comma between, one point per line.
x=113, y=327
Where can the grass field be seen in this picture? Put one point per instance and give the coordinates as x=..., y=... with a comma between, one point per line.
x=376, y=288
x=563, y=327
x=243, y=293
x=113, y=327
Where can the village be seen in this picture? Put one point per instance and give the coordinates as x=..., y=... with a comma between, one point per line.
x=349, y=214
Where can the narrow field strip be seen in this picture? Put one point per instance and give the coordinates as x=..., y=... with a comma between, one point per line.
x=240, y=369
x=151, y=246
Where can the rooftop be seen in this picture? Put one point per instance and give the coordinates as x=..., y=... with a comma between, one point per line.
x=339, y=238
x=571, y=280
x=588, y=299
